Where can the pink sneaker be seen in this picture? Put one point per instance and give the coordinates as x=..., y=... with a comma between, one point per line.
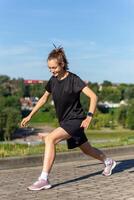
x=109, y=166
x=40, y=185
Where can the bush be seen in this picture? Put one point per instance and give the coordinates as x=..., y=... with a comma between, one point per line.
x=130, y=116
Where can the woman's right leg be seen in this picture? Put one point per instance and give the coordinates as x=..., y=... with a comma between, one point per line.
x=42, y=136
x=50, y=141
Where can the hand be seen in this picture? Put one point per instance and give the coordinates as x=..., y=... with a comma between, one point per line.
x=85, y=123
x=25, y=121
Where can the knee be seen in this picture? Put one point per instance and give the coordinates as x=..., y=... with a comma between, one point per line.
x=42, y=135
x=39, y=135
x=48, y=139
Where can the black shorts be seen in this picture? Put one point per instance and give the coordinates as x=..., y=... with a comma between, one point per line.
x=72, y=127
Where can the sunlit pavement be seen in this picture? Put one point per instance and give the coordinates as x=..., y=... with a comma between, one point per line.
x=72, y=180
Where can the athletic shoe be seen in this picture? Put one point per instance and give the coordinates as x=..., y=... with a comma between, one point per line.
x=109, y=166
x=40, y=185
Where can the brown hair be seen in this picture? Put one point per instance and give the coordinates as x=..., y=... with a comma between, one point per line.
x=59, y=54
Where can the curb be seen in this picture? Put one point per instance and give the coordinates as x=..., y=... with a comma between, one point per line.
x=37, y=160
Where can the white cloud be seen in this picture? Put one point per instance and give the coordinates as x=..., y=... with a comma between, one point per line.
x=73, y=43
x=109, y=63
x=15, y=50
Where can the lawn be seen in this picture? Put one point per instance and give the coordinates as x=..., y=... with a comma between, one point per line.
x=110, y=138
x=98, y=138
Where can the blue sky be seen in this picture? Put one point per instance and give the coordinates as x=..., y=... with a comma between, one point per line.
x=97, y=35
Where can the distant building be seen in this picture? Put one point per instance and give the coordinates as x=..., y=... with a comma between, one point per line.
x=27, y=82
x=107, y=104
x=27, y=103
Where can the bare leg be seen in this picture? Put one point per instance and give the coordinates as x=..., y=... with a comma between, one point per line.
x=92, y=151
x=96, y=153
x=50, y=141
x=42, y=136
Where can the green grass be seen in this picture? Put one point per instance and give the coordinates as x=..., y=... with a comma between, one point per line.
x=110, y=138
x=110, y=134
x=9, y=150
x=100, y=139
x=43, y=118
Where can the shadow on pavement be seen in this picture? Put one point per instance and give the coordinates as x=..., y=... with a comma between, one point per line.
x=121, y=166
x=88, y=165
x=77, y=179
x=124, y=165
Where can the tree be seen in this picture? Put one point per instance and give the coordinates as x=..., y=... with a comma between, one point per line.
x=122, y=87
x=106, y=83
x=122, y=116
x=18, y=87
x=129, y=92
x=94, y=87
x=84, y=102
x=36, y=90
x=27, y=91
x=9, y=116
x=4, y=78
x=12, y=101
x=13, y=117
x=2, y=125
x=130, y=116
x=110, y=94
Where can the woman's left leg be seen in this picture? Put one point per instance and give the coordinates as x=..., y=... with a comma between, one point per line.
x=92, y=151
x=96, y=153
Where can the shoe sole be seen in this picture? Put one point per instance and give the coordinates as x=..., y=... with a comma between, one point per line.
x=38, y=189
x=113, y=166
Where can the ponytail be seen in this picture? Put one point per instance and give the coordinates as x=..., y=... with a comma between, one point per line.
x=59, y=54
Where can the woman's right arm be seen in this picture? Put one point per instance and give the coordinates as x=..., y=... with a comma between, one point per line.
x=39, y=104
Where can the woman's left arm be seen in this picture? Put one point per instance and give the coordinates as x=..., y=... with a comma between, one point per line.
x=93, y=101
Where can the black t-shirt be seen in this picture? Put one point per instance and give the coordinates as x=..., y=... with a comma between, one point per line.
x=66, y=96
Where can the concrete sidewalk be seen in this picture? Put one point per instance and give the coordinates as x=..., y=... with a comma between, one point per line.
x=78, y=180
x=36, y=160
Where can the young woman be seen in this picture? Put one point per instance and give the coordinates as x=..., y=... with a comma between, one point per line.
x=65, y=88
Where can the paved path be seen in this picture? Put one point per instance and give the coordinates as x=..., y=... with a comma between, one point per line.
x=79, y=180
